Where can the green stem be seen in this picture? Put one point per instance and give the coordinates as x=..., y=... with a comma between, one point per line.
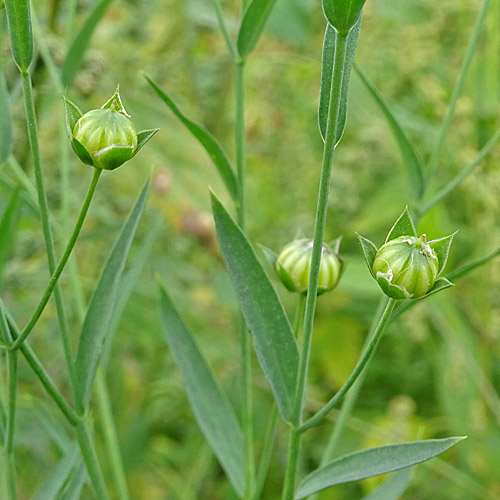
x=457, y=89
x=91, y=461
x=246, y=359
x=110, y=437
x=319, y=232
x=456, y=181
x=364, y=360
x=62, y=263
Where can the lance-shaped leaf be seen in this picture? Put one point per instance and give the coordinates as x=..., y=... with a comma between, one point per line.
x=369, y=250
x=275, y=343
x=5, y=122
x=409, y=153
x=207, y=140
x=327, y=74
x=372, y=462
x=252, y=25
x=21, y=36
x=269, y=254
x=80, y=43
x=402, y=227
x=212, y=410
x=100, y=311
x=394, y=487
x=75, y=487
x=441, y=248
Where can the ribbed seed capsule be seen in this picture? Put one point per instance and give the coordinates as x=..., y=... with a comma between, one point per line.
x=407, y=262
x=293, y=266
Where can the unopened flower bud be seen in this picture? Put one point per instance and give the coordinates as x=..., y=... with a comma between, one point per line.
x=104, y=138
x=293, y=266
x=408, y=262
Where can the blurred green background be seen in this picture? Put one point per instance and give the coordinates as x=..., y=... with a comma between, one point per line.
x=437, y=370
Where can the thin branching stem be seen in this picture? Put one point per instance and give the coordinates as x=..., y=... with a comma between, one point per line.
x=358, y=370
x=62, y=263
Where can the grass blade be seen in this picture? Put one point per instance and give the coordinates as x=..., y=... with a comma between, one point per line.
x=100, y=311
x=21, y=36
x=79, y=46
x=252, y=25
x=56, y=481
x=411, y=159
x=5, y=122
x=459, y=85
x=75, y=487
x=212, y=410
x=327, y=75
x=275, y=343
x=8, y=229
x=207, y=140
x=372, y=462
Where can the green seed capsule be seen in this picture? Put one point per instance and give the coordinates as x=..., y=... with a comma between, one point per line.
x=108, y=135
x=409, y=263
x=293, y=266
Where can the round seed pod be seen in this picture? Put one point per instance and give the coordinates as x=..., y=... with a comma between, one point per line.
x=293, y=266
x=408, y=262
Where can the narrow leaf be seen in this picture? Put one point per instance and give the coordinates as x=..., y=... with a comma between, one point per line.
x=207, y=140
x=409, y=153
x=5, y=122
x=372, y=462
x=75, y=487
x=402, y=227
x=369, y=251
x=275, y=343
x=80, y=43
x=393, y=488
x=212, y=410
x=100, y=311
x=327, y=75
x=55, y=481
x=21, y=36
x=462, y=271
x=143, y=138
x=252, y=25
x=8, y=229
x=441, y=248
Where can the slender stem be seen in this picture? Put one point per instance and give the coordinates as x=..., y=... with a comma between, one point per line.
x=239, y=87
x=222, y=25
x=461, y=176
x=364, y=360
x=91, y=461
x=110, y=437
x=246, y=359
x=319, y=231
x=60, y=267
x=457, y=89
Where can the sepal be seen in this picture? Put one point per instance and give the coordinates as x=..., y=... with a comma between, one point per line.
x=369, y=251
x=441, y=247
x=390, y=289
x=143, y=138
x=403, y=226
x=72, y=114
